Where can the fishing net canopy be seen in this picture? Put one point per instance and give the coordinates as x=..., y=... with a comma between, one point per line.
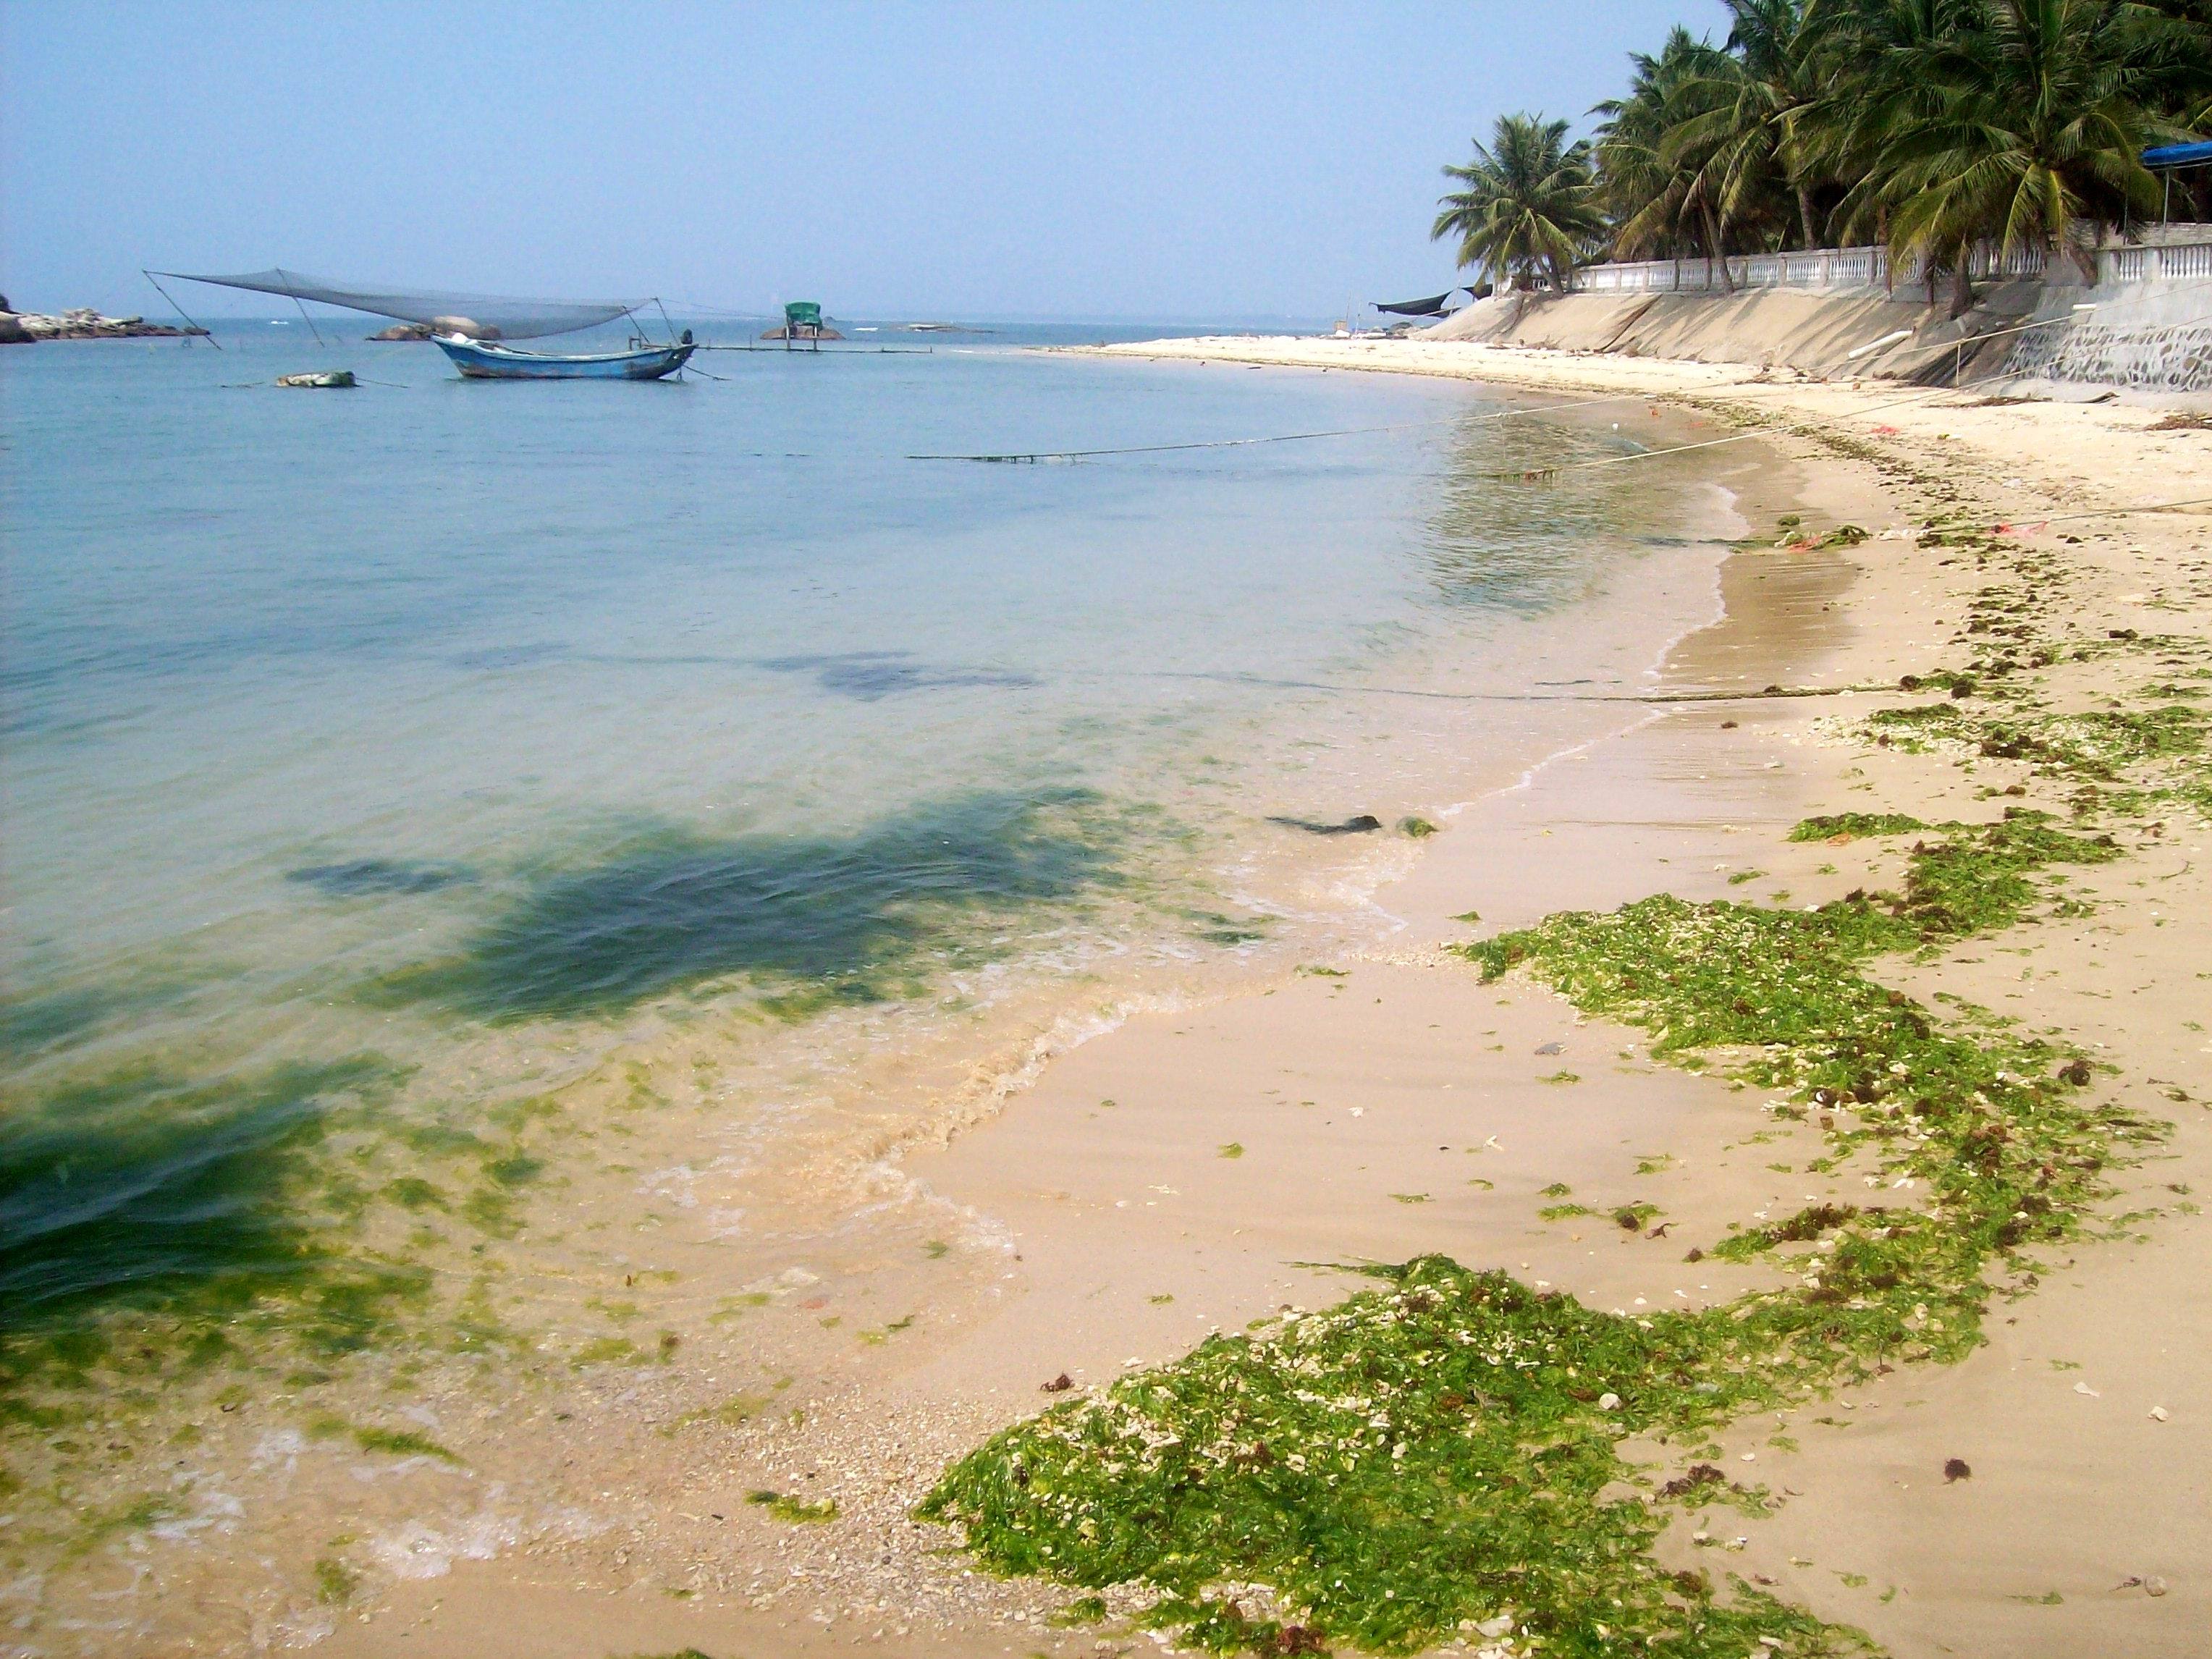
x=479, y=316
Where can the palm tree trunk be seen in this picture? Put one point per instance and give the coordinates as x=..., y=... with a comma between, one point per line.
x=1713, y=246
x=1962, y=283
x=1805, y=215
x=2084, y=257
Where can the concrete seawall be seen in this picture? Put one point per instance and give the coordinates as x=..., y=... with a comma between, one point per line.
x=2146, y=336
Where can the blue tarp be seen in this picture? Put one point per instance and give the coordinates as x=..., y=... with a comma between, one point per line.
x=2178, y=155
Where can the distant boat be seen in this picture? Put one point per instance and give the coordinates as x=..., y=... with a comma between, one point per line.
x=485, y=360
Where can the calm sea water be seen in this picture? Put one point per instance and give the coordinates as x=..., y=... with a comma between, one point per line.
x=395, y=750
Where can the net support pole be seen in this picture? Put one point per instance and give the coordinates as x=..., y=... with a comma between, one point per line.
x=207, y=334
x=304, y=318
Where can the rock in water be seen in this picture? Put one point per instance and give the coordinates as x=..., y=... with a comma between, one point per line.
x=467, y=327
x=85, y=324
x=339, y=379
x=404, y=331
x=1354, y=826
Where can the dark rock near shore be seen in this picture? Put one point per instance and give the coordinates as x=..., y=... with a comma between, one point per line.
x=1354, y=826
x=404, y=331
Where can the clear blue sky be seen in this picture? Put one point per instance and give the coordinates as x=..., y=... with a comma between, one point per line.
x=1202, y=159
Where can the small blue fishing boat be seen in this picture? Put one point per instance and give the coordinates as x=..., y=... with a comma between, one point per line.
x=487, y=360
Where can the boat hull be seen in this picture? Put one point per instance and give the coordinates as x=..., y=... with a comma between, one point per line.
x=480, y=361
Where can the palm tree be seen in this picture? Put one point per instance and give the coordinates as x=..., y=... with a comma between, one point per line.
x=1757, y=93
x=1530, y=203
x=1654, y=199
x=2170, y=41
x=1874, y=65
x=2035, y=141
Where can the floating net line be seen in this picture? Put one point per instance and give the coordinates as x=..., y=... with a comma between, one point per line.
x=480, y=316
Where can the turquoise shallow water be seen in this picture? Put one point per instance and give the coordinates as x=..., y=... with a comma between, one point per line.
x=430, y=736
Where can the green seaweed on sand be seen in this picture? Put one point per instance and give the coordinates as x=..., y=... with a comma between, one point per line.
x=396, y=1443
x=737, y=1409
x=139, y=1514
x=796, y=1510
x=1856, y=825
x=402, y=1442
x=1443, y=1449
x=335, y=1581
x=1435, y=1450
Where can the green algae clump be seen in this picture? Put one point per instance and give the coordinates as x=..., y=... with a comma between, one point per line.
x=1443, y=1448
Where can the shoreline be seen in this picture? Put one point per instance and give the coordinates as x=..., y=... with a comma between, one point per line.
x=1102, y=1268
x=1962, y=1569
x=883, y=1443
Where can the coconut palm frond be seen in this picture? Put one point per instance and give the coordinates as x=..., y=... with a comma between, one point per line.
x=1530, y=203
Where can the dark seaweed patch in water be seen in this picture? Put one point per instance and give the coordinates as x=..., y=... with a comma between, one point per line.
x=136, y=1186
x=868, y=676
x=29, y=1025
x=43, y=1021
x=846, y=917
x=364, y=878
x=507, y=656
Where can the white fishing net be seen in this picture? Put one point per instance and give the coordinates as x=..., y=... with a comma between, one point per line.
x=479, y=316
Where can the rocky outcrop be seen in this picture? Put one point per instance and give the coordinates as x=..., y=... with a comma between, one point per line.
x=404, y=331
x=83, y=323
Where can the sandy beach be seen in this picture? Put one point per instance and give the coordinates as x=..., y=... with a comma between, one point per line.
x=1183, y=1173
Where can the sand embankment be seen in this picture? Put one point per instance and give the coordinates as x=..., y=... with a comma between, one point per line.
x=1396, y=1105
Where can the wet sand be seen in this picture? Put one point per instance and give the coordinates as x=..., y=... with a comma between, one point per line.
x=1173, y=1176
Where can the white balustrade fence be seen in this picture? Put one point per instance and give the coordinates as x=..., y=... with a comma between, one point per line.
x=2181, y=263
x=1819, y=268
x=1844, y=268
